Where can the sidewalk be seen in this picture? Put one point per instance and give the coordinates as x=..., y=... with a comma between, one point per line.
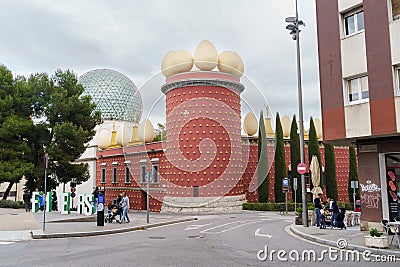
x=352, y=235
x=18, y=225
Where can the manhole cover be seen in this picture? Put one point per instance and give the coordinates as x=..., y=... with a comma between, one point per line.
x=157, y=237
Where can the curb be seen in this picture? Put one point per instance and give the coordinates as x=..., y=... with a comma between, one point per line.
x=39, y=234
x=349, y=246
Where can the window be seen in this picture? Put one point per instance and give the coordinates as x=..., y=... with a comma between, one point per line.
x=154, y=174
x=357, y=90
x=114, y=179
x=103, y=175
x=397, y=77
x=353, y=22
x=127, y=175
x=143, y=174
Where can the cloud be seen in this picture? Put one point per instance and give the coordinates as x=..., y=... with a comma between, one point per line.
x=133, y=36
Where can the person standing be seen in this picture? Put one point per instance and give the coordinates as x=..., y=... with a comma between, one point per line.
x=96, y=197
x=41, y=201
x=27, y=200
x=318, y=208
x=54, y=201
x=335, y=212
x=125, y=208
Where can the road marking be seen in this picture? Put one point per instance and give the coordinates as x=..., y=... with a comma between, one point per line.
x=6, y=242
x=240, y=223
x=257, y=233
x=196, y=226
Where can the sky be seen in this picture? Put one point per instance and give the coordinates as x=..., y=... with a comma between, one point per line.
x=132, y=37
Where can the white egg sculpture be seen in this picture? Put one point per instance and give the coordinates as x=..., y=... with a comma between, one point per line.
x=206, y=56
x=146, y=131
x=286, y=123
x=123, y=135
x=230, y=62
x=103, y=139
x=166, y=64
x=318, y=127
x=181, y=61
x=250, y=124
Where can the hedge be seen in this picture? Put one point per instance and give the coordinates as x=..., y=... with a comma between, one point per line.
x=271, y=206
x=9, y=204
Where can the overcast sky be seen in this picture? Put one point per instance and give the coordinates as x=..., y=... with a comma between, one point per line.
x=132, y=37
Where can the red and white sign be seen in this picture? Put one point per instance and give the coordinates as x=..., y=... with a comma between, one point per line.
x=301, y=168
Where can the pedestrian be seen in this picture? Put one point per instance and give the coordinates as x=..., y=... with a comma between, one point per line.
x=27, y=200
x=96, y=197
x=335, y=212
x=54, y=201
x=119, y=203
x=318, y=208
x=41, y=201
x=324, y=215
x=125, y=208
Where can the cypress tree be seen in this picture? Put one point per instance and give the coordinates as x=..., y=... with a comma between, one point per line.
x=313, y=148
x=330, y=171
x=262, y=169
x=295, y=156
x=280, y=162
x=353, y=174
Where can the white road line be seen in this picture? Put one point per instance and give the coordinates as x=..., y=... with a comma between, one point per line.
x=234, y=227
x=257, y=233
x=6, y=242
x=196, y=226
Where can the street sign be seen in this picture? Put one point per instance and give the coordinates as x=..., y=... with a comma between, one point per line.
x=301, y=168
x=354, y=184
x=285, y=184
x=295, y=183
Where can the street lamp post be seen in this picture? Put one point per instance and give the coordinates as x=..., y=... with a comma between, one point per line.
x=294, y=24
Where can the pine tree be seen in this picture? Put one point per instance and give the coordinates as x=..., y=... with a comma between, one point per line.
x=353, y=174
x=330, y=172
x=280, y=161
x=295, y=156
x=313, y=148
x=262, y=169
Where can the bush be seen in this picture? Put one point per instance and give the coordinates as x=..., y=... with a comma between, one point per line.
x=9, y=204
x=346, y=205
x=270, y=206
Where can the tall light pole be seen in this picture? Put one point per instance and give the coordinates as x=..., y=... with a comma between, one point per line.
x=294, y=24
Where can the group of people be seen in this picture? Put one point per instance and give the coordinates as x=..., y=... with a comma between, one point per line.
x=121, y=208
x=324, y=209
x=27, y=197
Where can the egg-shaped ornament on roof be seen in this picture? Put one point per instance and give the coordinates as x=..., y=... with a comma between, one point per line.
x=146, y=131
x=115, y=95
x=103, y=139
x=206, y=56
x=123, y=135
x=250, y=124
x=230, y=62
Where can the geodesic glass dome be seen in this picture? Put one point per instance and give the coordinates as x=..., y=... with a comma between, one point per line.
x=115, y=95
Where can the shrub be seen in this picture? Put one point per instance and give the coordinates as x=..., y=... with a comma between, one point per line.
x=374, y=232
x=269, y=206
x=9, y=204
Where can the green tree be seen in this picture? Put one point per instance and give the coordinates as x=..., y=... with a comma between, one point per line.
x=313, y=148
x=295, y=156
x=262, y=168
x=280, y=161
x=161, y=136
x=330, y=171
x=66, y=122
x=15, y=127
x=353, y=174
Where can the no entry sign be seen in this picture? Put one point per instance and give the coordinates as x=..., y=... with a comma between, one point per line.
x=301, y=168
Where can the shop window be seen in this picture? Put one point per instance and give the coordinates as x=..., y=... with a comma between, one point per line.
x=353, y=22
x=357, y=90
x=396, y=9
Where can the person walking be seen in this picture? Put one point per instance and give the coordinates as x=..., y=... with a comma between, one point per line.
x=54, y=202
x=96, y=197
x=27, y=200
x=125, y=208
x=41, y=201
x=318, y=208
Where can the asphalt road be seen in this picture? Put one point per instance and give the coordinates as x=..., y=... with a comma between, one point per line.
x=213, y=240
